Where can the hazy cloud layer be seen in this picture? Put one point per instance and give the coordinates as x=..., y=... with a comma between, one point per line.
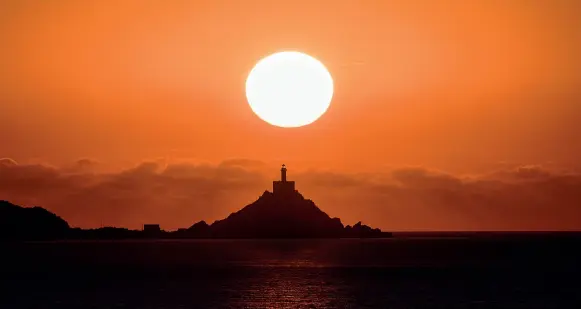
x=407, y=198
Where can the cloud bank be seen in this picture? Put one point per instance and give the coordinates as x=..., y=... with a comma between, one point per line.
x=527, y=197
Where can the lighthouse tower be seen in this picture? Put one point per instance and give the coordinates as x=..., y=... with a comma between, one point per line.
x=283, y=187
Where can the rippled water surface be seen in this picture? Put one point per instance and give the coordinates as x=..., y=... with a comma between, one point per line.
x=389, y=273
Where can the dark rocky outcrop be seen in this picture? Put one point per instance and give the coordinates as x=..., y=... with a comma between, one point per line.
x=278, y=216
x=360, y=230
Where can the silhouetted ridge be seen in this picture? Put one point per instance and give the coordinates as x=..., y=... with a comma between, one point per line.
x=33, y=223
x=278, y=216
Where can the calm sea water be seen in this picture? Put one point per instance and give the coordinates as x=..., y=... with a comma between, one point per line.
x=390, y=273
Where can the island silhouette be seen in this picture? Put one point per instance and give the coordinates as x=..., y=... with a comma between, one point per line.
x=282, y=213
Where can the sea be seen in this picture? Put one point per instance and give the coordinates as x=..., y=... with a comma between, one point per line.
x=494, y=271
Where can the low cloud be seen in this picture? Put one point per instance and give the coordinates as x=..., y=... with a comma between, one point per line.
x=7, y=162
x=408, y=198
x=527, y=197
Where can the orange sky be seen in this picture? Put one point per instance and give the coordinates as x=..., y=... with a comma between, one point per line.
x=463, y=87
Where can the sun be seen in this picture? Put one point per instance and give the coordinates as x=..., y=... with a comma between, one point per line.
x=289, y=89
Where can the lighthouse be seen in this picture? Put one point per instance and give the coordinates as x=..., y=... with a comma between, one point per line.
x=282, y=186
x=283, y=173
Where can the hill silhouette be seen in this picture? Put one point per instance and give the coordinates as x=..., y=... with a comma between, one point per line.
x=281, y=216
x=278, y=216
x=35, y=223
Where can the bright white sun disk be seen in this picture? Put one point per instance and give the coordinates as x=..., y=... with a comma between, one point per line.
x=289, y=89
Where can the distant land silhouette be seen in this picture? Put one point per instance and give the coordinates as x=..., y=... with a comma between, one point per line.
x=283, y=213
x=34, y=223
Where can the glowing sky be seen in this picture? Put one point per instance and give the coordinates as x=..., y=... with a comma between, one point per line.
x=445, y=89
